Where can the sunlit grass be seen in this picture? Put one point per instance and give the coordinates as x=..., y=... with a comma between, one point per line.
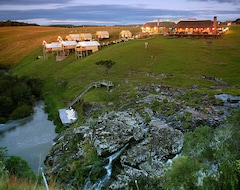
x=178, y=63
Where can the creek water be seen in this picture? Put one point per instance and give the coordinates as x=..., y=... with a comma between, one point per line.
x=102, y=181
x=30, y=138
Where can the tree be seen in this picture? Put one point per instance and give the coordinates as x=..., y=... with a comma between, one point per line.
x=108, y=65
x=17, y=96
x=19, y=167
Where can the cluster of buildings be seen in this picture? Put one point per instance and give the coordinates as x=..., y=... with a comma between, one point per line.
x=82, y=44
x=190, y=27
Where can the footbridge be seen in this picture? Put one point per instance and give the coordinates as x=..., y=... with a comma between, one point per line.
x=93, y=85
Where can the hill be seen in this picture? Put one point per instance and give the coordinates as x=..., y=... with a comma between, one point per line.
x=181, y=63
x=203, y=66
x=18, y=42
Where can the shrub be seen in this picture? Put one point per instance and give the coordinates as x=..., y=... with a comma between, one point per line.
x=21, y=111
x=19, y=167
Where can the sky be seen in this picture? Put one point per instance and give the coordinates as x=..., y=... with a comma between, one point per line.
x=112, y=12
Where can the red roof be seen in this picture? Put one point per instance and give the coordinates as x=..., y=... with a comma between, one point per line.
x=195, y=24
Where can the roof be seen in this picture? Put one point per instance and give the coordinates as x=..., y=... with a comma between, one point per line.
x=89, y=43
x=194, y=24
x=126, y=32
x=67, y=116
x=54, y=45
x=88, y=35
x=69, y=43
x=102, y=33
x=74, y=36
x=160, y=24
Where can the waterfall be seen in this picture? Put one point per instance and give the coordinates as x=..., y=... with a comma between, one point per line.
x=102, y=181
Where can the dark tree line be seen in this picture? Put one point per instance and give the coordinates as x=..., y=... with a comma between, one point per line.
x=17, y=96
x=15, y=23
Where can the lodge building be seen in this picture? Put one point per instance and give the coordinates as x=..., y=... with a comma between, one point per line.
x=184, y=27
x=197, y=27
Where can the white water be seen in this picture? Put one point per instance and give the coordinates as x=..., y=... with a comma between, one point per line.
x=30, y=138
x=101, y=182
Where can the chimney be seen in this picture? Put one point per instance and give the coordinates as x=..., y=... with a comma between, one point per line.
x=215, y=25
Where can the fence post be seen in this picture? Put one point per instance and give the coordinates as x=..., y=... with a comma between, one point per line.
x=44, y=179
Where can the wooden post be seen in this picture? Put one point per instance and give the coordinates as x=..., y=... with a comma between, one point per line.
x=44, y=179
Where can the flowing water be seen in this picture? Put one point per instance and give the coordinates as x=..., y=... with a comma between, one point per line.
x=102, y=181
x=30, y=138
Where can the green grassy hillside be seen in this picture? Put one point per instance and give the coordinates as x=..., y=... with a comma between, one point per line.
x=175, y=62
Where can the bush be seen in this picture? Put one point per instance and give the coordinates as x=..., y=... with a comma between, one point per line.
x=19, y=167
x=210, y=158
x=21, y=111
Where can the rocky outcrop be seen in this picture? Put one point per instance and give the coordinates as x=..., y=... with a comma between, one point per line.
x=149, y=127
x=147, y=158
x=150, y=145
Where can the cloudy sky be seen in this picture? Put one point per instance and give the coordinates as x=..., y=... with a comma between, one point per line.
x=113, y=12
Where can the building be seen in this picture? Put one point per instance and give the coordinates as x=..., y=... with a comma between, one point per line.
x=86, y=37
x=85, y=48
x=157, y=27
x=196, y=27
x=125, y=34
x=184, y=27
x=75, y=37
x=102, y=35
x=79, y=37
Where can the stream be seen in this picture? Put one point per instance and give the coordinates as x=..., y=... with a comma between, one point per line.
x=31, y=138
x=102, y=181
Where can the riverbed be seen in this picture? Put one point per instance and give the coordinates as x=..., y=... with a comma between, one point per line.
x=30, y=138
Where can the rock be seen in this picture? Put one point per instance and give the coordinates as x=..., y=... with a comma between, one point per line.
x=151, y=124
x=147, y=158
x=115, y=129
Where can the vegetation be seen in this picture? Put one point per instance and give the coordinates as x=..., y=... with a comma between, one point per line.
x=175, y=62
x=209, y=159
x=16, y=174
x=15, y=23
x=19, y=167
x=17, y=96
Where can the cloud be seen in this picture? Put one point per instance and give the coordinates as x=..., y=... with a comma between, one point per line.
x=77, y=13
x=32, y=2
x=220, y=1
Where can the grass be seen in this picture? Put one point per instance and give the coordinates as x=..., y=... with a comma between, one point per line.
x=175, y=62
x=18, y=42
x=14, y=183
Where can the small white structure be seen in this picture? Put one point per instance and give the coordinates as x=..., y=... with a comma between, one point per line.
x=85, y=37
x=86, y=47
x=68, y=116
x=73, y=37
x=79, y=37
x=60, y=48
x=125, y=34
x=68, y=45
x=51, y=48
x=102, y=34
